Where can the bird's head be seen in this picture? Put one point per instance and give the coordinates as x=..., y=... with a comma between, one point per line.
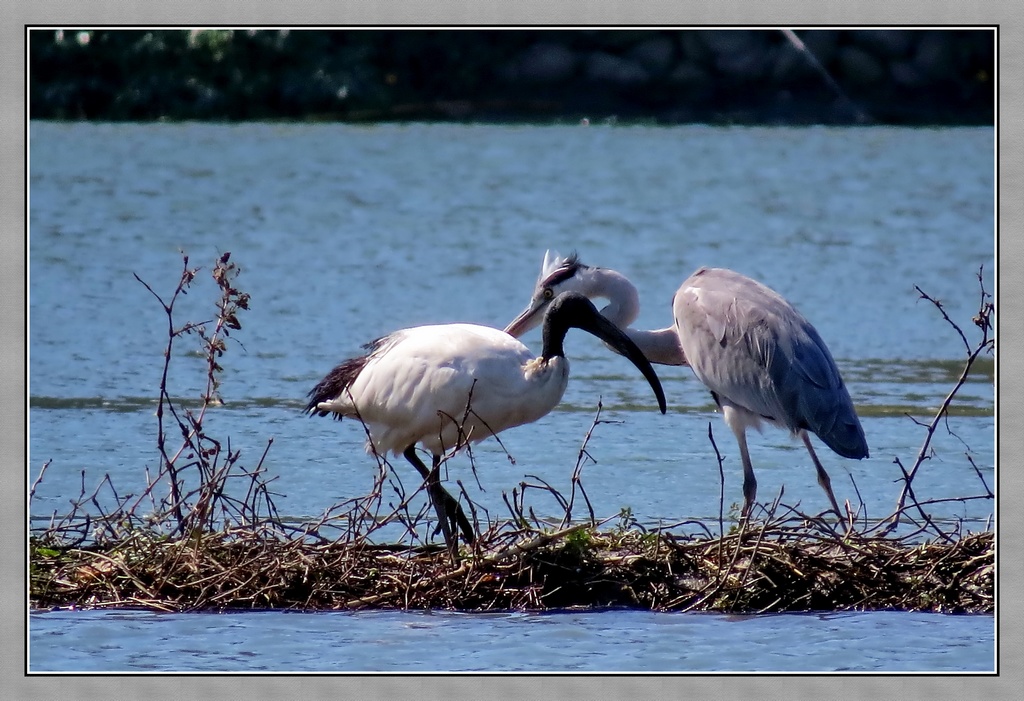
x=557, y=275
x=574, y=310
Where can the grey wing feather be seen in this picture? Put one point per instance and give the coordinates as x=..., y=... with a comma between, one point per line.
x=749, y=345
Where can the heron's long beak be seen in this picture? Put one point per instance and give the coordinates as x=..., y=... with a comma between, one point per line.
x=530, y=318
x=608, y=332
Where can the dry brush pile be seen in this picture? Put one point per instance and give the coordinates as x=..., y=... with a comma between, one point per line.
x=216, y=541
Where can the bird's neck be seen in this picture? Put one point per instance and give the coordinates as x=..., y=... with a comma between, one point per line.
x=623, y=299
x=553, y=343
x=660, y=346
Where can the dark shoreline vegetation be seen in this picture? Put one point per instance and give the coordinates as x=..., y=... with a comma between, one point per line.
x=942, y=76
x=205, y=534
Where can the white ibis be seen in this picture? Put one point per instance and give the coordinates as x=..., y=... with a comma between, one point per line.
x=447, y=385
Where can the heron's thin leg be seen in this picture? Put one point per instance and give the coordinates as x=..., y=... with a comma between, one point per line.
x=749, y=481
x=823, y=478
x=736, y=420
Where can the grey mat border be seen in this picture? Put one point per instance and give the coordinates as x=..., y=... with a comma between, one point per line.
x=522, y=12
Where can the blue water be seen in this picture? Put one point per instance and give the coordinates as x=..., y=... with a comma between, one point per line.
x=607, y=641
x=345, y=233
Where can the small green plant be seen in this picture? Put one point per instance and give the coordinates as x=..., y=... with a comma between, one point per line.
x=580, y=543
x=627, y=521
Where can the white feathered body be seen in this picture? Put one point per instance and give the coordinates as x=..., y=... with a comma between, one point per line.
x=420, y=385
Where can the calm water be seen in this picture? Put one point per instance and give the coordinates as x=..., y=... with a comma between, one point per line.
x=346, y=233
x=620, y=641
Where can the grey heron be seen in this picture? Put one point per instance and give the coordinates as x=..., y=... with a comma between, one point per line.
x=443, y=386
x=761, y=359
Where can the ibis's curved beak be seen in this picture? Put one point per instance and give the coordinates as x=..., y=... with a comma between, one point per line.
x=611, y=334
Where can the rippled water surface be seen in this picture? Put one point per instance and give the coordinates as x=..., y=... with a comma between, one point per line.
x=346, y=233
x=608, y=641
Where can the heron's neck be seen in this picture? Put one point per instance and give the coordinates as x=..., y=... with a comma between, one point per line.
x=660, y=346
x=623, y=299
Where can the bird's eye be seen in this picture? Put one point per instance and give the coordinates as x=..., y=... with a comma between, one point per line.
x=548, y=293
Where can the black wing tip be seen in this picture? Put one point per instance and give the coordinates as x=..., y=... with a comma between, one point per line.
x=855, y=447
x=860, y=452
x=334, y=384
x=312, y=410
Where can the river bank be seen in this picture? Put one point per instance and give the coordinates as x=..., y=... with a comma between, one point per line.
x=745, y=76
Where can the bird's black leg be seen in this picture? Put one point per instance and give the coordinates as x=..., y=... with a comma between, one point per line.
x=453, y=509
x=437, y=497
x=449, y=511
